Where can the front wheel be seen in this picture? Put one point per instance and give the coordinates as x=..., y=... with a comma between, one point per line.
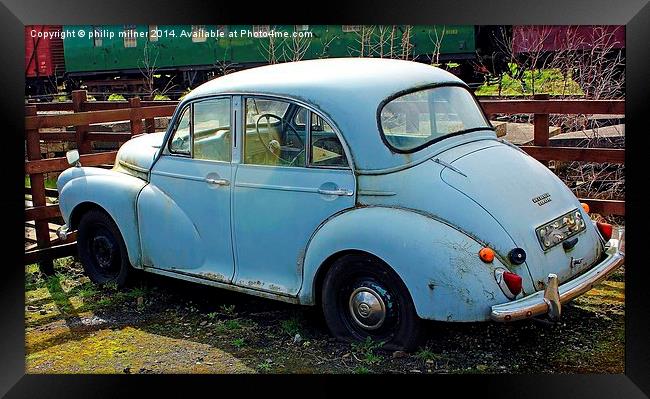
x=363, y=298
x=101, y=249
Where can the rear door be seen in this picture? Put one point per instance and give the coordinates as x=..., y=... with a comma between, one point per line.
x=293, y=175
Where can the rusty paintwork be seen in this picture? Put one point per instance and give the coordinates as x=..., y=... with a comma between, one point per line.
x=269, y=230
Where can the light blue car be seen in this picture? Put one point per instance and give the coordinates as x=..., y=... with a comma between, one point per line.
x=373, y=188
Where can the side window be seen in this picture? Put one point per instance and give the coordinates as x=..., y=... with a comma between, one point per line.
x=326, y=148
x=180, y=143
x=272, y=137
x=211, y=129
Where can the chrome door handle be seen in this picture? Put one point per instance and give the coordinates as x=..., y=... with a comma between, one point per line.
x=338, y=191
x=219, y=182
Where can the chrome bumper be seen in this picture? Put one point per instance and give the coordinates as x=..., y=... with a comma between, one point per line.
x=550, y=301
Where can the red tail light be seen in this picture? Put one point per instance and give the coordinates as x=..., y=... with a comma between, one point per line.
x=605, y=230
x=513, y=281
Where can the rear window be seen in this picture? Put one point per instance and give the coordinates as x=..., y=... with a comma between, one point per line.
x=417, y=119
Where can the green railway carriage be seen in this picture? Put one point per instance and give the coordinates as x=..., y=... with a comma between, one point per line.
x=191, y=54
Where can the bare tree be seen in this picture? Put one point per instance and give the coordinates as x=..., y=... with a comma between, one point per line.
x=296, y=49
x=149, y=70
x=269, y=50
x=382, y=41
x=437, y=44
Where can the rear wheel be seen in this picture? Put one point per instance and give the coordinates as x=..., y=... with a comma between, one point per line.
x=363, y=298
x=102, y=249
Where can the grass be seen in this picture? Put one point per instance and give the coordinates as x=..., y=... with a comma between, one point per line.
x=116, y=97
x=49, y=183
x=543, y=81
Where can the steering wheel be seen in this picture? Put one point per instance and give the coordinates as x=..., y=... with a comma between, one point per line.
x=268, y=146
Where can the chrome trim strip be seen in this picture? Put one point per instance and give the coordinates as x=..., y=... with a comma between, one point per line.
x=134, y=167
x=275, y=187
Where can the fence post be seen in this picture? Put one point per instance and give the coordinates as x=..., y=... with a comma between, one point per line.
x=541, y=126
x=79, y=97
x=37, y=182
x=136, y=120
x=150, y=124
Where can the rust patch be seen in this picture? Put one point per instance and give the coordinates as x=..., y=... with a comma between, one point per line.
x=214, y=276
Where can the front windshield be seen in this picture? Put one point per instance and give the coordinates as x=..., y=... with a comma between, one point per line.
x=414, y=120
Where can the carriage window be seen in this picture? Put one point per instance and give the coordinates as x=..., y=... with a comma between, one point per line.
x=211, y=130
x=272, y=137
x=198, y=33
x=180, y=143
x=130, y=36
x=326, y=148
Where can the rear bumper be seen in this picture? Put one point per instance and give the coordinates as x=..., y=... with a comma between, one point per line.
x=549, y=302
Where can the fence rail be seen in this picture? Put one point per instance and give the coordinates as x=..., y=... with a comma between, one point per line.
x=82, y=114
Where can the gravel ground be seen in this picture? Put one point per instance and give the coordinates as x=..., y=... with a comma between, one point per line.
x=162, y=325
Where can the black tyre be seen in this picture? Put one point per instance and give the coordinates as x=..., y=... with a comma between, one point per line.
x=362, y=297
x=102, y=250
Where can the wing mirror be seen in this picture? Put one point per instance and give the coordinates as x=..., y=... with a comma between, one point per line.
x=73, y=158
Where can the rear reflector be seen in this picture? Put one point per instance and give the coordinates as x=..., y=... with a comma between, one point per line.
x=605, y=230
x=513, y=282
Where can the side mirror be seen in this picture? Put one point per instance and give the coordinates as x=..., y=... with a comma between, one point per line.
x=73, y=158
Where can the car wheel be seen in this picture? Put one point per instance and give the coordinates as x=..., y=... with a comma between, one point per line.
x=102, y=250
x=363, y=298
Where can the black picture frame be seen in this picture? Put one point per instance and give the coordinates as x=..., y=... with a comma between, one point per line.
x=635, y=14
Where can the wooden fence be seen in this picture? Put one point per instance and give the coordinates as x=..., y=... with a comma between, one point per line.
x=84, y=114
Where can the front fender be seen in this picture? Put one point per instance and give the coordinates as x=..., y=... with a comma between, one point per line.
x=115, y=192
x=438, y=263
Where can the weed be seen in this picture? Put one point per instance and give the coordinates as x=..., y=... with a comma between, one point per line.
x=212, y=316
x=367, y=350
x=362, y=370
x=232, y=325
x=291, y=326
x=228, y=310
x=264, y=366
x=238, y=342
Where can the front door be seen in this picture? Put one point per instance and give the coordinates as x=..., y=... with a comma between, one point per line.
x=293, y=175
x=184, y=213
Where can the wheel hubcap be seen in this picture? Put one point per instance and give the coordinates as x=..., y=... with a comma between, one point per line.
x=367, y=308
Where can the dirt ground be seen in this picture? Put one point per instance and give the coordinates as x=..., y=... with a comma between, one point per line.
x=162, y=325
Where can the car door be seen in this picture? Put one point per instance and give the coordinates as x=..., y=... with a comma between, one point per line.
x=185, y=212
x=284, y=189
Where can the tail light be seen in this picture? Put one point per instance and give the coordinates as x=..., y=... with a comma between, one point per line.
x=605, y=230
x=513, y=281
x=510, y=283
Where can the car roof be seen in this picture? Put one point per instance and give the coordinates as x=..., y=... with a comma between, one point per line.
x=346, y=90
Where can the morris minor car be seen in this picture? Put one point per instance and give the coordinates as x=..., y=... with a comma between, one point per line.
x=375, y=189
